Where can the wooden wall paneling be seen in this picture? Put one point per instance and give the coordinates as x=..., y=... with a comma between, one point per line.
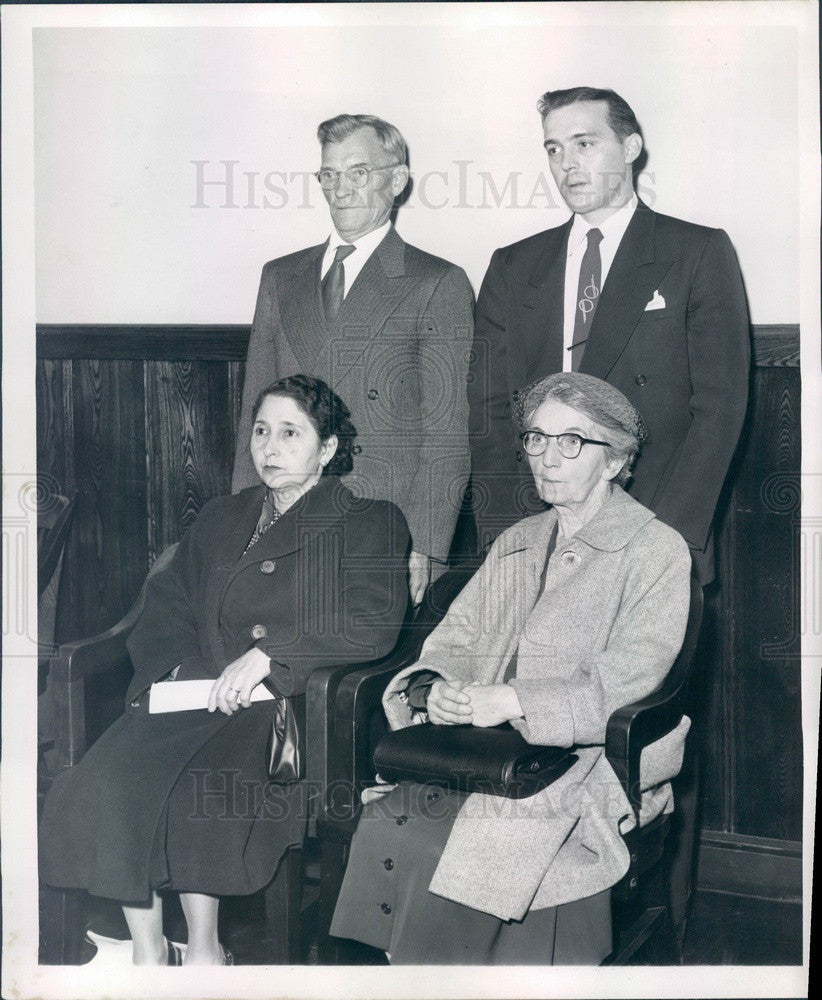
x=763, y=672
x=189, y=444
x=109, y=545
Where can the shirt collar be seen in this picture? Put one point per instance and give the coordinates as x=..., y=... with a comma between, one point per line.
x=612, y=229
x=367, y=243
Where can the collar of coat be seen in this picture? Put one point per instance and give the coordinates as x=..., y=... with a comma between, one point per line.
x=324, y=505
x=613, y=526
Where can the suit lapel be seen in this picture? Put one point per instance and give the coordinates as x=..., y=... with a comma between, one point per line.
x=541, y=311
x=631, y=281
x=230, y=544
x=379, y=288
x=301, y=309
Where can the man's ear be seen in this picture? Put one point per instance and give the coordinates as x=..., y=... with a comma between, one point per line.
x=633, y=147
x=399, y=179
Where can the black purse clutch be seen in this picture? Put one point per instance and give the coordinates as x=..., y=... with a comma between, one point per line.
x=284, y=753
x=495, y=760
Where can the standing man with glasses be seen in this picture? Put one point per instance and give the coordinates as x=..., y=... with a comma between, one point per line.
x=651, y=304
x=388, y=327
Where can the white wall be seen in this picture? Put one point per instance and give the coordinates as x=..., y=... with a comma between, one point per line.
x=121, y=113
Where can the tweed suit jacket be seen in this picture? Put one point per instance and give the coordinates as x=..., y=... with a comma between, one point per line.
x=604, y=633
x=397, y=355
x=685, y=366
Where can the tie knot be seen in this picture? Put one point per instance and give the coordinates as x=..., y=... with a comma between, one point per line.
x=346, y=249
x=594, y=237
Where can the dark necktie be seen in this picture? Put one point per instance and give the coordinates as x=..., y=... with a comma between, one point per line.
x=268, y=517
x=590, y=285
x=333, y=284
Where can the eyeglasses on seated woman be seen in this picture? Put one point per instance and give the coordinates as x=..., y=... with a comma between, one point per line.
x=575, y=613
x=270, y=584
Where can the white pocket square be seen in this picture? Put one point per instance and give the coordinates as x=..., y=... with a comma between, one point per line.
x=657, y=302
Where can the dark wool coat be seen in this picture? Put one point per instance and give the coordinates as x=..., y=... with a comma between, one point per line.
x=181, y=800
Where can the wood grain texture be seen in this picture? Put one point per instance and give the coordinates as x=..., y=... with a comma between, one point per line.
x=774, y=345
x=190, y=444
x=762, y=668
x=108, y=546
x=146, y=442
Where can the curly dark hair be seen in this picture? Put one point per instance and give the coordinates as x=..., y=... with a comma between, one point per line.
x=326, y=411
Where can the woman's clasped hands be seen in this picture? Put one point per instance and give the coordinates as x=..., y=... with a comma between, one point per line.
x=468, y=703
x=233, y=687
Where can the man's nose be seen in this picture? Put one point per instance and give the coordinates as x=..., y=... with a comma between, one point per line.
x=569, y=158
x=344, y=186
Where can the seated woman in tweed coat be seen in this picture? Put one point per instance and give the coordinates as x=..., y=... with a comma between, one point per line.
x=575, y=613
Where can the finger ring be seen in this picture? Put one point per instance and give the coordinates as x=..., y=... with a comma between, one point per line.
x=235, y=690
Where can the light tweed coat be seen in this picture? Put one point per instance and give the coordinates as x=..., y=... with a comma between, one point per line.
x=603, y=634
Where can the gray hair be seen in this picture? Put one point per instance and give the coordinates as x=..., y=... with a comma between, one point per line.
x=339, y=128
x=621, y=422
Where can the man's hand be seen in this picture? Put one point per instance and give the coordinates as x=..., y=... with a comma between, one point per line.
x=447, y=704
x=492, y=704
x=419, y=576
x=234, y=685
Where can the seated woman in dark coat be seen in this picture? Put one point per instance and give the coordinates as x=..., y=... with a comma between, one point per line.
x=575, y=613
x=283, y=578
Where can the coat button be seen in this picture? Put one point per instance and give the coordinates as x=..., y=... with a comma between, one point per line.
x=385, y=908
x=135, y=704
x=357, y=449
x=640, y=380
x=569, y=558
x=259, y=632
x=268, y=566
x=389, y=864
x=372, y=394
x=432, y=796
x=402, y=820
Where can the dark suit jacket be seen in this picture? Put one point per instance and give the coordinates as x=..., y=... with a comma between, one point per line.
x=685, y=367
x=397, y=355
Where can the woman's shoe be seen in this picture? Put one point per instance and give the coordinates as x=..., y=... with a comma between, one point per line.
x=175, y=956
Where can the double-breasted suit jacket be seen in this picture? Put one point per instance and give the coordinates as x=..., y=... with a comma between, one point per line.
x=182, y=800
x=397, y=354
x=670, y=332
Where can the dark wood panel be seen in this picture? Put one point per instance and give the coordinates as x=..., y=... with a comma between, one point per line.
x=107, y=550
x=190, y=444
x=750, y=866
x=110, y=341
x=763, y=679
x=773, y=344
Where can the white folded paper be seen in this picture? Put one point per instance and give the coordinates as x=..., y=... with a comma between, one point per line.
x=185, y=696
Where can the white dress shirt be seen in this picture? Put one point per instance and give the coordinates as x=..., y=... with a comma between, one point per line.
x=612, y=229
x=354, y=262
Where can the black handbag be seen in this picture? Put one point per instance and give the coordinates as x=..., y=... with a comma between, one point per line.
x=494, y=760
x=284, y=753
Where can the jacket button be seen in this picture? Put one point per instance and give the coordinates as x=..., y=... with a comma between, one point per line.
x=640, y=380
x=259, y=632
x=402, y=820
x=372, y=394
x=385, y=908
x=569, y=558
x=135, y=704
x=268, y=566
x=389, y=864
x=357, y=449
